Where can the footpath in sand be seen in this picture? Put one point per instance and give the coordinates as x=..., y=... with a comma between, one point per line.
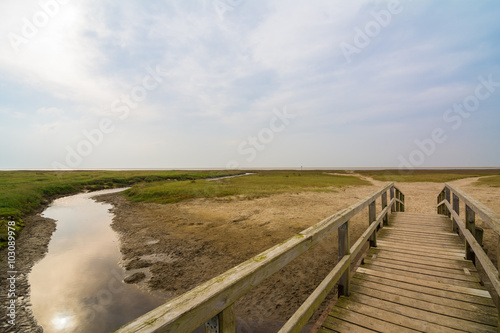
x=182, y=245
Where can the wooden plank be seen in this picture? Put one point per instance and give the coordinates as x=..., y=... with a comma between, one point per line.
x=425, y=249
x=477, y=317
x=337, y=325
x=370, y=322
x=433, y=297
x=425, y=290
x=190, y=310
x=412, y=312
x=426, y=277
x=454, y=238
x=395, y=318
x=433, y=247
x=412, y=232
x=427, y=271
x=422, y=254
x=479, y=291
x=411, y=242
x=450, y=263
x=434, y=267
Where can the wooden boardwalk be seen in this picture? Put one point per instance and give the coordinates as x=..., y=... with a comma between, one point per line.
x=415, y=280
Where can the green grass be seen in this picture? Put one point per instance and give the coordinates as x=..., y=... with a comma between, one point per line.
x=434, y=176
x=490, y=181
x=24, y=192
x=263, y=183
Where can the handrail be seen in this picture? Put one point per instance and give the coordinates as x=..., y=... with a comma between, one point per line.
x=214, y=299
x=450, y=205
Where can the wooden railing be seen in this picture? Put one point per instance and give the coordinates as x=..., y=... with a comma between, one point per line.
x=212, y=303
x=449, y=205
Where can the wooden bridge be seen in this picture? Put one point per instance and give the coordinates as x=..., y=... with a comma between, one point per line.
x=421, y=273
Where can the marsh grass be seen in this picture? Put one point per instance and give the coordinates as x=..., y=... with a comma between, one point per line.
x=493, y=181
x=24, y=192
x=260, y=184
x=433, y=176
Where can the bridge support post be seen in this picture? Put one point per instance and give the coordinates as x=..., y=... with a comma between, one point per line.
x=470, y=224
x=222, y=323
x=344, y=249
x=448, y=198
x=456, y=208
x=391, y=196
x=384, y=204
x=372, y=215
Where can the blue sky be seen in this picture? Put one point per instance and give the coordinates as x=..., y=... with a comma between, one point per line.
x=249, y=84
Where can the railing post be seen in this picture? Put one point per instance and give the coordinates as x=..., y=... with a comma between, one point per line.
x=438, y=201
x=384, y=204
x=223, y=323
x=402, y=200
x=470, y=224
x=372, y=215
x=344, y=249
x=448, y=198
x=391, y=195
x=456, y=208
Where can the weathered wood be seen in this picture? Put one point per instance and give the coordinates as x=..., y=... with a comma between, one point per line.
x=393, y=317
x=226, y=321
x=371, y=218
x=426, y=306
x=344, y=249
x=413, y=312
x=490, y=217
x=480, y=255
x=447, y=198
x=391, y=196
x=470, y=224
x=424, y=294
x=384, y=204
x=456, y=208
x=367, y=321
x=473, y=300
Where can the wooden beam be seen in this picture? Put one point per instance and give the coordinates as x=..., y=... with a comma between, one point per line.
x=470, y=224
x=391, y=196
x=384, y=204
x=344, y=249
x=456, y=208
x=490, y=217
x=371, y=218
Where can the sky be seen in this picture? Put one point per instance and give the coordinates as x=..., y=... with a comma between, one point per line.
x=249, y=84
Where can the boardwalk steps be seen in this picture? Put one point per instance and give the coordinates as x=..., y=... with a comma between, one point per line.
x=415, y=280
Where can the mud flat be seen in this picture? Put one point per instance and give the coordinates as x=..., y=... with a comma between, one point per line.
x=31, y=246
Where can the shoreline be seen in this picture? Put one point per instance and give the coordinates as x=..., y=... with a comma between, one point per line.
x=31, y=246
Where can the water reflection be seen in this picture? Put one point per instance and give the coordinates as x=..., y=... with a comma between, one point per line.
x=78, y=286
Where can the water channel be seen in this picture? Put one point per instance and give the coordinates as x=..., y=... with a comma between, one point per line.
x=78, y=286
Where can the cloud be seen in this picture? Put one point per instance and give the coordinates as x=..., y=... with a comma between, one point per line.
x=50, y=111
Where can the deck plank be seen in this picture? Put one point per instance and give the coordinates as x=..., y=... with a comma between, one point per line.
x=416, y=279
